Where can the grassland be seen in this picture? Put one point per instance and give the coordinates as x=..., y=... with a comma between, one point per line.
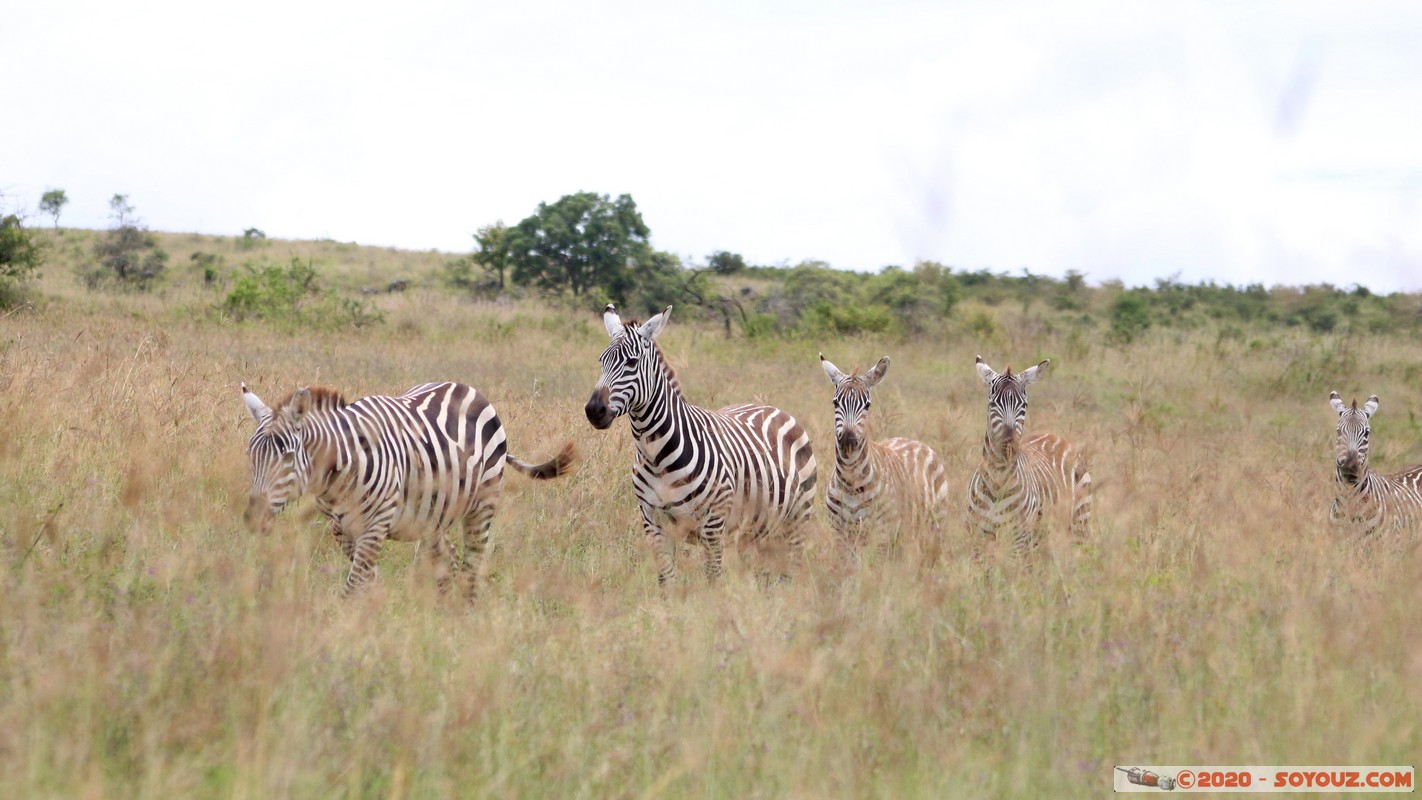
x=151, y=647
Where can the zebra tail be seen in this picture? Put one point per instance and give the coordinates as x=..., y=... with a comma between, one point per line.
x=557, y=467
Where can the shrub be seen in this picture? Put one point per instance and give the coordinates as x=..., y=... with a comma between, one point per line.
x=20, y=256
x=290, y=295
x=127, y=255
x=1130, y=316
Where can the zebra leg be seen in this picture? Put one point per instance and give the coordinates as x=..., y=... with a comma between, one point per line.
x=663, y=548
x=442, y=562
x=713, y=536
x=476, y=541
x=346, y=542
x=365, y=551
x=1028, y=537
x=1080, y=502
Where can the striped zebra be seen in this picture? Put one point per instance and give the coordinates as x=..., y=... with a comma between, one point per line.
x=1020, y=475
x=896, y=481
x=745, y=469
x=1365, y=500
x=403, y=468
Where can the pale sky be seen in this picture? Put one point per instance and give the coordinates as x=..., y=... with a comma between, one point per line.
x=1240, y=142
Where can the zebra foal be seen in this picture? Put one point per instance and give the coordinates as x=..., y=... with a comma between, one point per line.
x=402, y=468
x=1365, y=500
x=896, y=482
x=1019, y=474
x=746, y=469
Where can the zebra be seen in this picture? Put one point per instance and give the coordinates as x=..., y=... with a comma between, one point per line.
x=405, y=468
x=895, y=480
x=1020, y=475
x=1365, y=500
x=747, y=469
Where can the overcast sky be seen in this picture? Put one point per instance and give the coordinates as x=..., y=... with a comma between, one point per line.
x=1240, y=142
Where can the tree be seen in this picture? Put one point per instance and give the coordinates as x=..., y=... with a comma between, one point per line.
x=493, y=251
x=20, y=256
x=52, y=203
x=128, y=253
x=584, y=242
x=721, y=262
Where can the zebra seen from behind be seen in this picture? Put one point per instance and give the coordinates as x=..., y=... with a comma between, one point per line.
x=1365, y=500
x=747, y=470
x=1020, y=475
x=404, y=468
x=898, y=483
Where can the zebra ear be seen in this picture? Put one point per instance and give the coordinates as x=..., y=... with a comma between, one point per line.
x=835, y=375
x=1371, y=406
x=985, y=371
x=1032, y=374
x=1337, y=403
x=653, y=327
x=298, y=405
x=611, y=321
x=873, y=376
x=255, y=406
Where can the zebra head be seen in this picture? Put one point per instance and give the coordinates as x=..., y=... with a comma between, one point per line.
x=852, y=399
x=1350, y=448
x=630, y=369
x=277, y=455
x=1007, y=402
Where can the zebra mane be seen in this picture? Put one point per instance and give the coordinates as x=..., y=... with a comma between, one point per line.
x=323, y=398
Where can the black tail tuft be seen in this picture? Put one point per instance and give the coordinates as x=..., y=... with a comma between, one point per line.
x=559, y=466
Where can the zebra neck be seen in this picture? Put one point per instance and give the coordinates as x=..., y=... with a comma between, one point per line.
x=1001, y=451
x=662, y=410
x=1357, y=479
x=854, y=467
x=327, y=451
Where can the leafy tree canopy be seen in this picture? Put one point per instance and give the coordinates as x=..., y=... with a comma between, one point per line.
x=53, y=202
x=584, y=242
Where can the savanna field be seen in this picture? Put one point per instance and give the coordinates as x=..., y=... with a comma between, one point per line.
x=150, y=646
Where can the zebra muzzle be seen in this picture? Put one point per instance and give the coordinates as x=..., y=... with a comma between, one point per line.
x=258, y=516
x=599, y=414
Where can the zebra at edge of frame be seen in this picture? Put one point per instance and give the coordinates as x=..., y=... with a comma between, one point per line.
x=1020, y=475
x=404, y=468
x=896, y=483
x=1365, y=500
x=747, y=470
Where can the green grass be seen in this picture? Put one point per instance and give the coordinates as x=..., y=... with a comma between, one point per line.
x=151, y=647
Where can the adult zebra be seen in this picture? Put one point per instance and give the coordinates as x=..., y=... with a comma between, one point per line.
x=1365, y=500
x=746, y=469
x=1019, y=474
x=405, y=468
x=898, y=483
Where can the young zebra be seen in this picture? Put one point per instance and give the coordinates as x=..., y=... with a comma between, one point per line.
x=899, y=482
x=1365, y=500
x=405, y=468
x=747, y=469
x=1020, y=475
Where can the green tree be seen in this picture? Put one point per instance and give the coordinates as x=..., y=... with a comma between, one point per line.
x=20, y=256
x=493, y=250
x=584, y=242
x=52, y=203
x=127, y=254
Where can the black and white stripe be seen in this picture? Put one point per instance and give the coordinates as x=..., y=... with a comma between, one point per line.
x=1365, y=500
x=895, y=484
x=405, y=468
x=746, y=469
x=1020, y=475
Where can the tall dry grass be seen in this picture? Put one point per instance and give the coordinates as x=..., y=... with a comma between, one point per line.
x=151, y=647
